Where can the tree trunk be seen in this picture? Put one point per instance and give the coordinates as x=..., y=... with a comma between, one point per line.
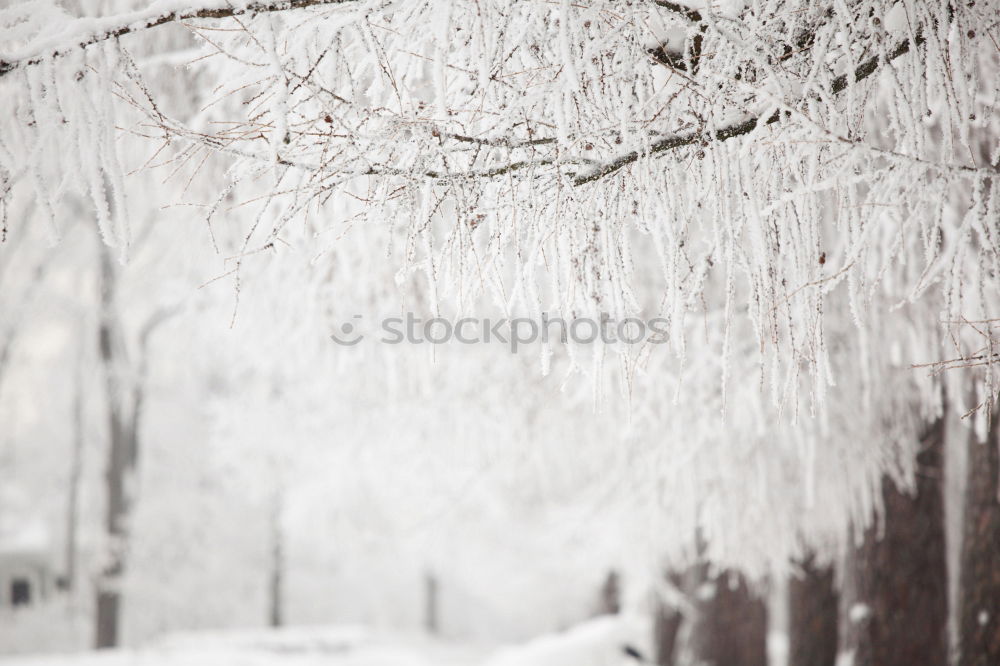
x=108, y=615
x=666, y=626
x=276, y=610
x=668, y=617
x=611, y=602
x=122, y=457
x=812, y=616
x=431, y=603
x=75, y=473
x=895, y=597
x=731, y=624
x=979, y=614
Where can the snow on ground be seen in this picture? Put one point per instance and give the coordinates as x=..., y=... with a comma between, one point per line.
x=334, y=646
x=597, y=642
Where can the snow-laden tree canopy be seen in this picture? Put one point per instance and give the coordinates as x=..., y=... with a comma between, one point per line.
x=767, y=156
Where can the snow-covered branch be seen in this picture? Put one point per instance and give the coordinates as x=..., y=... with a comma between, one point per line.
x=83, y=32
x=838, y=85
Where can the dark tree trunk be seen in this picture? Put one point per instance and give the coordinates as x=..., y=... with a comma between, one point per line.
x=979, y=614
x=108, y=613
x=812, y=617
x=731, y=624
x=895, y=598
x=121, y=464
x=666, y=625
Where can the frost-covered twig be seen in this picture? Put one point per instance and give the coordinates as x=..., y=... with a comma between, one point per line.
x=985, y=359
x=861, y=72
x=85, y=32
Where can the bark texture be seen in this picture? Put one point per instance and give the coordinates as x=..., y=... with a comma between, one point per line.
x=666, y=626
x=895, y=597
x=731, y=624
x=812, y=617
x=979, y=615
